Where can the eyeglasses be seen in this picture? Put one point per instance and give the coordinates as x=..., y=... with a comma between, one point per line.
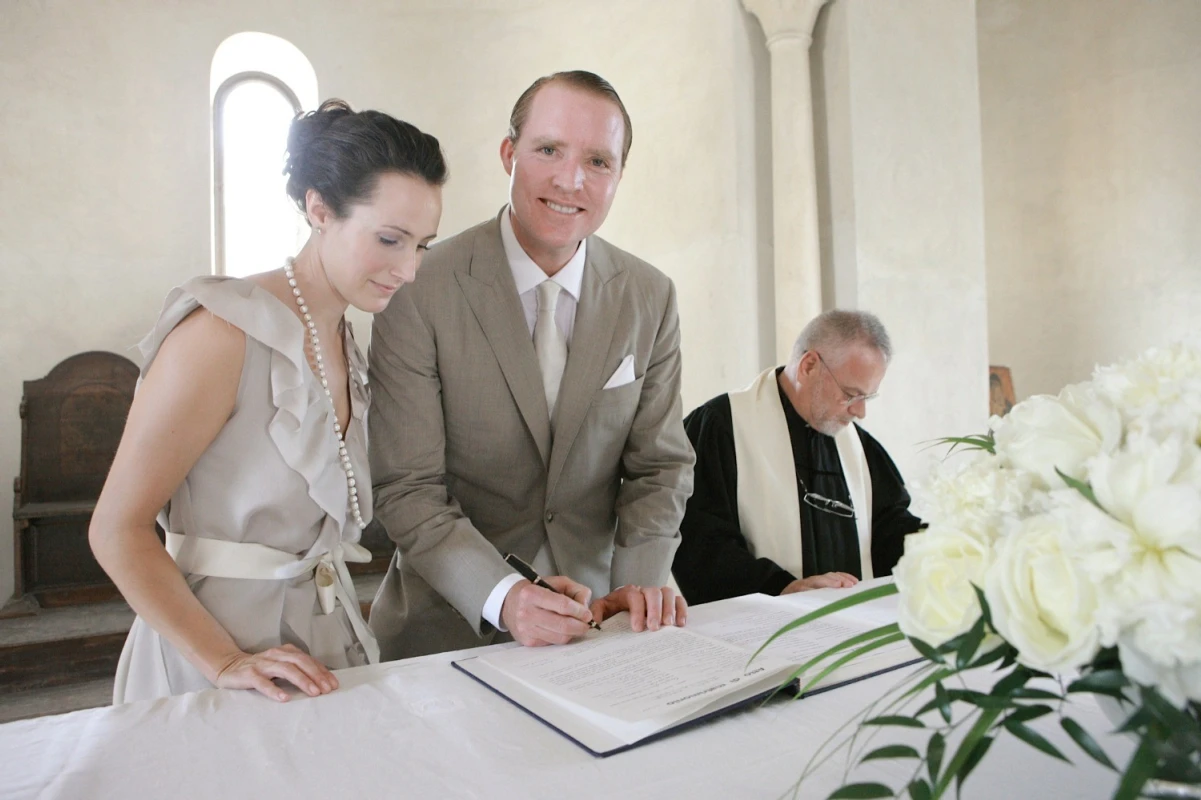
x=835, y=507
x=850, y=398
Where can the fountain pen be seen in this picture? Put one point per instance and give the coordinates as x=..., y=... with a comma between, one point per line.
x=527, y=572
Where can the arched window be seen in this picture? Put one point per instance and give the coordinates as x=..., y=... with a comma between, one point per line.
x=258, y=84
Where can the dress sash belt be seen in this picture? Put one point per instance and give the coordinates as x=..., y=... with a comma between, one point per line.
x=218, y=558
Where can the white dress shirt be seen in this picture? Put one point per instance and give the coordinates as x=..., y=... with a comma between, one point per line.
x=527, y=275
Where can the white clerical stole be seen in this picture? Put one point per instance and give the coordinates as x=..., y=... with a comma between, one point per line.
x=769, y=510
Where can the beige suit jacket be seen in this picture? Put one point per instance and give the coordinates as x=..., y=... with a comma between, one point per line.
x=462, y=457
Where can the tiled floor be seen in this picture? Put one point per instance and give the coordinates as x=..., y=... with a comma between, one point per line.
x=83, y=621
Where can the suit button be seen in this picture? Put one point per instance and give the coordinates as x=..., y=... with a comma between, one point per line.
x=550, y=516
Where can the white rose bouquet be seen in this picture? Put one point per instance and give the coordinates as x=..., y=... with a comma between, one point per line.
x=1065, y=545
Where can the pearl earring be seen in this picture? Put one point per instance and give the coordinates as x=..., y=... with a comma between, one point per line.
x=318, y=230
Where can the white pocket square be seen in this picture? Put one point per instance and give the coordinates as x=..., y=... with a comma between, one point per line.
x=623, y=375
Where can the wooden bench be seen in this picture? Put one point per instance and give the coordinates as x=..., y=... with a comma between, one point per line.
x=71, y=423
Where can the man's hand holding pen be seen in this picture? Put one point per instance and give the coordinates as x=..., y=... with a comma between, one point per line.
x=536, y=616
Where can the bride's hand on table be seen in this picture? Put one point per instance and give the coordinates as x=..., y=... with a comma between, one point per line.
x=288, y=662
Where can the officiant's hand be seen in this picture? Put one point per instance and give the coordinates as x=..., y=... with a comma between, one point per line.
x=827, y=580
x=650, y=607
x=287, y=662
x=537, y=616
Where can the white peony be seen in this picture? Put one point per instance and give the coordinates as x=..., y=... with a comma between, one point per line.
x=1065, y=576
x=934, y=580
x=1162, y=648
x=1104, y=549
x=1041, y=601
x=1159, y=377
x=978, y=492
x=1044, y=433
x=1147, y=546
x=1158, y=391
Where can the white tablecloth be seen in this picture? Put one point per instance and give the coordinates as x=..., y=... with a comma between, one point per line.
x=421, y=729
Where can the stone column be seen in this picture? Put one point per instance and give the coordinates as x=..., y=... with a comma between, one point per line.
x=902, y=139
x=788, y=25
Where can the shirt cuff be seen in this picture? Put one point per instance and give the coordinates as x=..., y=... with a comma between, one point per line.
x=496, y=601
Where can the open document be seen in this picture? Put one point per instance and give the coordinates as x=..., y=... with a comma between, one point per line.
x=615, y=688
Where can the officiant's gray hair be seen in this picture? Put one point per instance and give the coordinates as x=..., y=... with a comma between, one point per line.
x=835, y=329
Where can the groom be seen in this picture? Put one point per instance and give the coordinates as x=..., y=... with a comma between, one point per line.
x=527, y=400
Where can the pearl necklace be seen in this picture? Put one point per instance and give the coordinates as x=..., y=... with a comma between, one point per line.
x=343, y=455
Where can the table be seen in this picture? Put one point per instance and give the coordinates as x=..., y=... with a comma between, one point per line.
x=421, y=729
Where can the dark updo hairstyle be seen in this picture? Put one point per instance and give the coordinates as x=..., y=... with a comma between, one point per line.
x=341, y=153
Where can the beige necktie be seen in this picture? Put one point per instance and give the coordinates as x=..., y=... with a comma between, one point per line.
x=549, y=343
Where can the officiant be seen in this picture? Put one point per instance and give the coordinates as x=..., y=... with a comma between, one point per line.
x=790, y=494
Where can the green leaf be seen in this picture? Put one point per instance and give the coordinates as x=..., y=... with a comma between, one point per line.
x=894, y=719
x=849, y=657
x=1180, y=767
x=934, y=753
x=1186, y=737
x=1085, y=742
x=1026, y=693
x=1079, y=486
x=927, y=708
x=1163, y=709
x=944, y=702
x=934, y=677
x=926, y=650
x=1136, y=722
x=952, y=644
x=1107, y=658
x=861, y=791
x=995, y=654
x=883, y=630
x=919, y=790
x=977, y=732
x=891, y=751
x=971, y=643
x=980, y=699
x=1138, y=771
x=850, y=601
x=1105, y=681
x=977, y=442
x=985, y=611
x=1181, y=729
x=941, y=701
x=972, y=760
x=1027, y=713
x=1034, y=739
x=1016, y=679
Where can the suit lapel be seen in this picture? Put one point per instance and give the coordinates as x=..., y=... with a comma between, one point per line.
x=595, y=322
x=490, y=291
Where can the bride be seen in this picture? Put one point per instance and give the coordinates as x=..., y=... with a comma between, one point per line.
x=246, y=437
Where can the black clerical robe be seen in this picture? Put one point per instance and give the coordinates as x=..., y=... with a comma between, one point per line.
x=714, y=560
